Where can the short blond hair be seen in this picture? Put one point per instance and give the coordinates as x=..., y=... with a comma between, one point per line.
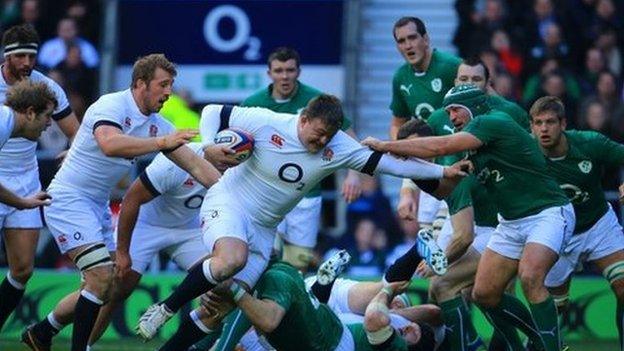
x=145, y=68
x=548, y=104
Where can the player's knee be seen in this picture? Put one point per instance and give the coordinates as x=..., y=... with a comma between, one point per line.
x=531, y=279
x=225, y=267
x=99, y=280
x=21, y=273
x=485, y=297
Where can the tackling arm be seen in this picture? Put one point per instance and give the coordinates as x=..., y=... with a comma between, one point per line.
x=264, y=314
x=427, y=147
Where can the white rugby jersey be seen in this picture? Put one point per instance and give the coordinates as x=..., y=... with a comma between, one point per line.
x=7, y=123
x=179, y=195
x=86, y=169
x=281, y=170
x=19, y=154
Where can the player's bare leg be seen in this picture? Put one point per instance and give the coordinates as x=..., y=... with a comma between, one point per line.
x=229, y=256
x=20, y=247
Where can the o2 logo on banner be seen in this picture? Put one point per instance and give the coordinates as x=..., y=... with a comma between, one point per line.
x=242, y=32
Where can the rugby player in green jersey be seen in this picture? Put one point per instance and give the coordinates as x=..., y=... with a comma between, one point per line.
x=287, y=94
x=418, y=87
x=576, y=159
x=536, y=218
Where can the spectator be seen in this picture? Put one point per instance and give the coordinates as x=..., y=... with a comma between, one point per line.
x=607, y=42
x=606, y=92
x=552, y=45
x=86, y=15
x=594, y=116
x=553, y=84
x=54, y=51
x=594, y=64
x=9, y=13
x=510, y=58
x=79, y=78
x=366, y=260
x=374, y=205
x=409, y=228
x=505, y=86
x=532, y=87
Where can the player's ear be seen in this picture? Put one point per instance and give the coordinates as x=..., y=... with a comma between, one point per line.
x=30, y=113
x=564, y=123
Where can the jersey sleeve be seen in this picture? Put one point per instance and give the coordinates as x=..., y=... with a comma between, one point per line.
x=215, y=118
x=605, y=149
x=62, y=109
x=277, y=287
x=398, y=106
x=162, y=175
x=351, y=154
x=460, y=197
x=485, y=128
x=105, y=112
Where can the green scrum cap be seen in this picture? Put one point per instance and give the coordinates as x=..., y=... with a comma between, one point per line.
x=469, y=97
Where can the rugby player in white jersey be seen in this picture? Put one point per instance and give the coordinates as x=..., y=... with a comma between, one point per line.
x=116, y=129
x=240, y=213
x=19, y=171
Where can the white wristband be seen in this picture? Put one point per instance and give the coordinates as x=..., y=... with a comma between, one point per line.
x=237, y=291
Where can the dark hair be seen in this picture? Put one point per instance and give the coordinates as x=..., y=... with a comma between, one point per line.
x=403, y=21
x=327, y=108
x=26, y=93
x=476, y=61
x=548, y=104
x=415, y=126
x=284, y=54
x=24, y=33
x=145, y=67
x=427, y=339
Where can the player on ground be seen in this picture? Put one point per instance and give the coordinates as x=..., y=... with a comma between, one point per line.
x=290, y=317
x=116, y=129
x=241, y=212
x=287, y=94
x=576, y=159
x=19, y=170
x=418, y=88
x=536, y=218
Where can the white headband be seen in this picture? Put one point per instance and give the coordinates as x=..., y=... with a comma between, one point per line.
x=21, y=48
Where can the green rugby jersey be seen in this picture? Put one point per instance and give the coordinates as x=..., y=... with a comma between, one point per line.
x=362, y=344
x=579, y=173
x=512, y=167
x=307, y=324
x=419, y=94
x=303, y=94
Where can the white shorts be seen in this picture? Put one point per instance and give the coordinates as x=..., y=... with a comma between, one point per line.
x=599, y=241
x=251, y=341
x=184, y=246
x=482, y=236
x=339, y=296
x=428, y=207
x=222, y=217
x=25, y=185
x=553, y=228
x=75, y=220
x=300, y=227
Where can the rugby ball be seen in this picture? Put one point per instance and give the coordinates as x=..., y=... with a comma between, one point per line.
x=238, y=140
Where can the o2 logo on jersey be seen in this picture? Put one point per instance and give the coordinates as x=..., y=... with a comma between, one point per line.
x=574, y=193
x=194, y=202
x=291, y=173
x=487, y=174
x=242, y=32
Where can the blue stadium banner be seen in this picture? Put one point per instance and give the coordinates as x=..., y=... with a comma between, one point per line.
x=221, y=47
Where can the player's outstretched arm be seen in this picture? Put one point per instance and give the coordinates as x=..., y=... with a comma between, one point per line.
x=427, y=147
x=414, y=168
x=137, y=195
x=21, y=203
x=202, y=170
x=114, y=143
